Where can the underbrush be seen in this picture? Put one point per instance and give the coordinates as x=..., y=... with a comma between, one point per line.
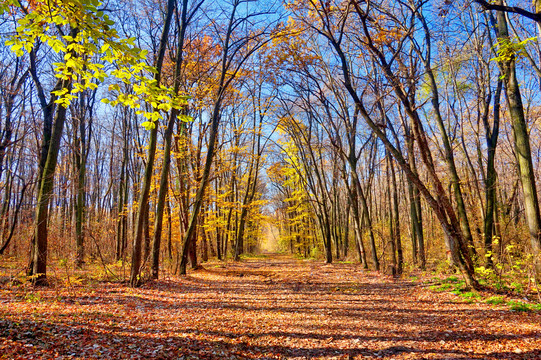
x=488, y=295
x=61, y=273
x=510, y=280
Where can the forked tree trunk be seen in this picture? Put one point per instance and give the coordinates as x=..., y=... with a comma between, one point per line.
x=448, y=150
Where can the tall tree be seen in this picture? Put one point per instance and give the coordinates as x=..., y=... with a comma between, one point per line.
x=507, y=60
x=173, y=117
x=142, y=212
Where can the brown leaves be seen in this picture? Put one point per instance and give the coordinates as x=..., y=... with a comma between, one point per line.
x=280, y=308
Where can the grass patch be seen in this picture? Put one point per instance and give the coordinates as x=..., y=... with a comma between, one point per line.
x=523, y=307
x=441, y=287
x=451, y=280
x=253, y=256
x=32, y=297
x=495, y=300
x=459, y=288
x=470, y=295
x=518, y=306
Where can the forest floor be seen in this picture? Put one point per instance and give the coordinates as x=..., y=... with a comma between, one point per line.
x=268, y=308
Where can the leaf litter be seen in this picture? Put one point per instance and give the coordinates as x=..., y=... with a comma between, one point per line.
x=273, y=308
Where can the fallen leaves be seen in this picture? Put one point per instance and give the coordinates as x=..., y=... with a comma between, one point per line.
x=279, y=309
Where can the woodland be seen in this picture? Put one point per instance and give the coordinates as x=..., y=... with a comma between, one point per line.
x=270, y=179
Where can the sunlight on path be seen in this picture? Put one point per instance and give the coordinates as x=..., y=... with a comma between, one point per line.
x=267, y=308
x=269, y=243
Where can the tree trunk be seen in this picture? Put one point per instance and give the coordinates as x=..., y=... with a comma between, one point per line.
x=81, y=151
x=122, y=199
x=39, y=260
x=390, y=215
x=223, y=84
x=521, y=140
x=164, y=178
x=448, y=150
x=396, y=221
x=367, y=221
x=415, y=205
x=135, y=272
x=491, y=136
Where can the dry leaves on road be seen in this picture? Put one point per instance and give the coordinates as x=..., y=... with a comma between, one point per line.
x=275, y=308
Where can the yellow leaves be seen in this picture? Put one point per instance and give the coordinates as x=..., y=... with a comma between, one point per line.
x=16, y=48
x=386, y=31
x=386, y=36
x=113, y=87
x=60, y=93
x=508, y=48
x=89, y=40
x=148, y=125
x=290, y=46
x=308, y=9
x=56, y=45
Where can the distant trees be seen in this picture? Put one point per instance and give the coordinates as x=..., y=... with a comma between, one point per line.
x=389, y=74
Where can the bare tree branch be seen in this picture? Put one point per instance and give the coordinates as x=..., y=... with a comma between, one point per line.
x=512, y=9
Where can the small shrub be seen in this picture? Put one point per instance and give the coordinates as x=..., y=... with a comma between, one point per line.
x=314, y=253
x=522, y=306
x=519, y=288
x=32, y=297
x=460, y=287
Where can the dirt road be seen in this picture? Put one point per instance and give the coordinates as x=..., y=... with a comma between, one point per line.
x=270, y=308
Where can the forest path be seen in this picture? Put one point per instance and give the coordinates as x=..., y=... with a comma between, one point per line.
x=269, y=308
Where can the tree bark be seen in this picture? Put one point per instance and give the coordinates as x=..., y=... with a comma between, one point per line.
x=39, y=260
x=135, y=272
x=521, y=140
x=164, y=178
x=491, y=136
